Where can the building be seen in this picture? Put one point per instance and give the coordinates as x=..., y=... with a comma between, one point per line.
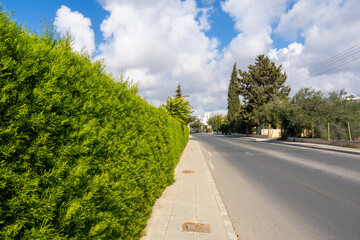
x=352, y=96
x=204, y=120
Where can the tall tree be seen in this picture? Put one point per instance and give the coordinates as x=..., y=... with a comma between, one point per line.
x=196, y=125
x=216, y=121
x=259, y=85
x=178, y=91
x=233, y=97
x=178, y=107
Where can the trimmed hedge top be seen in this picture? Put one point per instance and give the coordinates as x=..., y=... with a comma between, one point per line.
x=82, y=156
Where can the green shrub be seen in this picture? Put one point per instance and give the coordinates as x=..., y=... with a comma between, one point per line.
x=82, y=156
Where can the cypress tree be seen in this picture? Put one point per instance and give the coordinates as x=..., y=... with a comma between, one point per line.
x=233, y=98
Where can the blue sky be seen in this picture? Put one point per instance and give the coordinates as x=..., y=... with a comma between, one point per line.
x=33, y=12
x=222, y=25
x=160, y=43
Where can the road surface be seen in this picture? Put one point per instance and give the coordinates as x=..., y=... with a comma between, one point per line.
x=276, y=191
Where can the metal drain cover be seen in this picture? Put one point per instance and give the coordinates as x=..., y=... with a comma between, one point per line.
x=195, y=227
x=188, y=171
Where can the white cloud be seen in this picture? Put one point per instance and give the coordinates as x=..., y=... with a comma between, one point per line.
x=78, y=26
x=204, y=14
x=288, y=53
x=253, y=20
x=328, y=28
x=160, y=44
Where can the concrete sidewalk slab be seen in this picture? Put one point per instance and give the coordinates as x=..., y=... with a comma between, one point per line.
x=192, y=198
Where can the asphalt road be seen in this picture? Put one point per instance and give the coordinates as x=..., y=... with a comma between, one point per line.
x=276, y=191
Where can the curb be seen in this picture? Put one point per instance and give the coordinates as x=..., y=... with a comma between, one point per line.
x=309, y=145
x=164, y=223
x=224, y=214
x=321, y=147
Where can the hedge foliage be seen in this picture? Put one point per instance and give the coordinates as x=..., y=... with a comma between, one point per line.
x=82, y=156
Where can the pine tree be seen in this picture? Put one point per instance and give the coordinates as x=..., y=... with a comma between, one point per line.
x=178, y=107
x=178, y=91
x=233, y=98
x=261, y=84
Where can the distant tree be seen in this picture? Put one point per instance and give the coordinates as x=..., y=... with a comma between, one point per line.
x=309, y=112
x=216, y=121
x=269, y=113
x=314, y=112
x=342, y=109
x=311, y=107
x=259, y=85
x=233, y=98
x=178, y=107
x=196, y=125
x=178, y=91
x=191, y=119
x=210, y=122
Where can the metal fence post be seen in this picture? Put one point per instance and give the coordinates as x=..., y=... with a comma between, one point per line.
x=349, y=131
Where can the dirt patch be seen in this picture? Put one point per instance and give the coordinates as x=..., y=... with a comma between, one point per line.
x=188, y=171
x=195, y=227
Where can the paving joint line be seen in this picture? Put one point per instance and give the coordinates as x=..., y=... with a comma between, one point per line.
x=178, y=172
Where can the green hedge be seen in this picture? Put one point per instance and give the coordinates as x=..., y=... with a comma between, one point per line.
x=82, y=156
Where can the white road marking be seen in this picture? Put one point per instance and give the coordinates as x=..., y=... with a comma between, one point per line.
x=212, y=166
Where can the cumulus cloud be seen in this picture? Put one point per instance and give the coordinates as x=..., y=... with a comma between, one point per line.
x=253, y=21
x=78, y=26
x=204, y=18
x=328, y=28
x=160, y=44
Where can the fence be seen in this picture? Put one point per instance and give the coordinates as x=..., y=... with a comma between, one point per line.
x=338, y=131
x=342, y=131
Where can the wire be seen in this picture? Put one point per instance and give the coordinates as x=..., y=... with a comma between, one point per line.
x=327, y=70
x=341, y=55
x=320, y=67
x=343, y=58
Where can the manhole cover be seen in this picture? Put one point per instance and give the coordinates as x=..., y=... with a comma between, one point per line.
x=195, y=227
x=188, y=171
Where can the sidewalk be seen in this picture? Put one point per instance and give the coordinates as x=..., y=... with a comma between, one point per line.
x=323, y=147
x=191, y=208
